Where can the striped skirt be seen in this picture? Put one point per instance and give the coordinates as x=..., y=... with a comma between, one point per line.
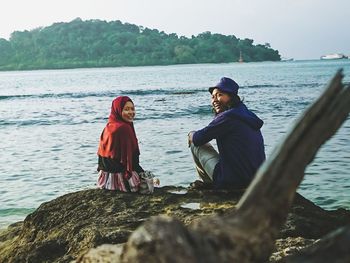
x=116, y=181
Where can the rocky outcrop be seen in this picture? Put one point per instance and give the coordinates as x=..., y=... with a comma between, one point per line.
x=65, y=228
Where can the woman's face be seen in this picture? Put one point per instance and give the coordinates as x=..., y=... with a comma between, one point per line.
x=128, y=113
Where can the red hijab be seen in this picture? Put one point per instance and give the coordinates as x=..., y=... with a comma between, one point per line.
x=118, y=139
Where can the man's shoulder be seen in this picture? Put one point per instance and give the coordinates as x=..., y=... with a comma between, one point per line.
x=229, y=114
x=221, y=118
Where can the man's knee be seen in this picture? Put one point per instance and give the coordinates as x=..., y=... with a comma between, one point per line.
x=194, y=149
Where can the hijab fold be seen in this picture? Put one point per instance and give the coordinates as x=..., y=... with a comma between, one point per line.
x=118, y=139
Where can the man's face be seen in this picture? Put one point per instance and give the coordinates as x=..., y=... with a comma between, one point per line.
x=220, y=101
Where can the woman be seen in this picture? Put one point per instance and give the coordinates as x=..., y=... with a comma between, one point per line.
x=118, y=151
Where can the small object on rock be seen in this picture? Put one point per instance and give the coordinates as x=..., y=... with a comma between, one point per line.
x=156, y=182
x=200, y=185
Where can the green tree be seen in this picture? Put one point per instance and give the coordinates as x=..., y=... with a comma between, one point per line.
x=97, y=43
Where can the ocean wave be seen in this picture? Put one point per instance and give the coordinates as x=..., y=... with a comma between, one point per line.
x=293, y=85
x=259, y=86
x=79, y=95
x=139, y=92
x=203, y=110
x=162, y=92
x=42, y=122
x=58, y=95
x=142, y=115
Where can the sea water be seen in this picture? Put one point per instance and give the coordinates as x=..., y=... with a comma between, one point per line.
x=51, y=120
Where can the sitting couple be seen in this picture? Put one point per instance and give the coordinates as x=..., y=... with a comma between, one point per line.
x=235, y=128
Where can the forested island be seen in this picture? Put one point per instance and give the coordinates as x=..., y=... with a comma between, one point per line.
x=97, y=43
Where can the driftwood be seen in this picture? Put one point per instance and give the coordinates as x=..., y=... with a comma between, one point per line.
x=248, y=234
x=323, y=251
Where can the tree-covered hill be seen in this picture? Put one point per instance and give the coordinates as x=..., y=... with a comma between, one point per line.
x=96, y=43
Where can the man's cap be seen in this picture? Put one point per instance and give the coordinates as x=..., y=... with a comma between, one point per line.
x=226, y=85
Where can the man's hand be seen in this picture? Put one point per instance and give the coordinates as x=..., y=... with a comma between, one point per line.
x=190, y=136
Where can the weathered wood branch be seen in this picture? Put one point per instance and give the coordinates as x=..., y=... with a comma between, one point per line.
x=249, y=233
x=323, y=251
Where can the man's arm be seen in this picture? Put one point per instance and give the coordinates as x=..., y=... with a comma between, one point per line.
x=218, y=127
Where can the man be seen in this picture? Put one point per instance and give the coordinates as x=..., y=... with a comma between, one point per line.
x=238, y=137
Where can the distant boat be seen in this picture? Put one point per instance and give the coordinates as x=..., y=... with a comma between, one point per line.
x=334, y=56
x=287, y=59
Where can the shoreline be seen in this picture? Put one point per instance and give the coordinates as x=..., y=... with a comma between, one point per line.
x=170, y=65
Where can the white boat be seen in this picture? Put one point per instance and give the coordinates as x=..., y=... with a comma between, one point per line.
x=334, y=56
x=283, y=59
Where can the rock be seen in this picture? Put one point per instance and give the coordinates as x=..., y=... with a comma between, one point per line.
x=67, y=227
x=310, y=221
x=332, y=248
x=289, y=246
x=104, y=253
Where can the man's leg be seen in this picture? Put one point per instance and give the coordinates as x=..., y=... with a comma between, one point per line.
x=205, y=157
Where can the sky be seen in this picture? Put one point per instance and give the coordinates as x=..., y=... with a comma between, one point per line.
x=299, y=29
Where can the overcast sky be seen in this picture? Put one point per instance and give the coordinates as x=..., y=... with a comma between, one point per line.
x=299, y=29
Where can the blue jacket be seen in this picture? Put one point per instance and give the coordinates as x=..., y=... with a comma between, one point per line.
x=240, y=144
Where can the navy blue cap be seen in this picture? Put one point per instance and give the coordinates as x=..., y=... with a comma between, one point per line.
x=226, y=85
